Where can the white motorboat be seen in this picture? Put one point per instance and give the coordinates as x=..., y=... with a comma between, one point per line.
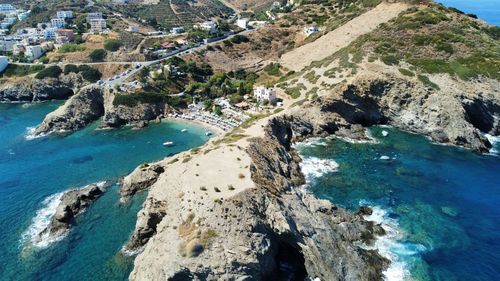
x=184, y=130
x=168, y=143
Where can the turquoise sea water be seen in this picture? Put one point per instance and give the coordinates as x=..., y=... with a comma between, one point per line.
x=440, y=205
x=487, y=10
x=33, y=171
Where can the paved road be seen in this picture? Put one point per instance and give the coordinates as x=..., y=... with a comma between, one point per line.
x=123, y=76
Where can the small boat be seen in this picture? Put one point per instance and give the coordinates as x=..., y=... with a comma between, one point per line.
x=184, y=130
x=208, y=133
x=168, y=143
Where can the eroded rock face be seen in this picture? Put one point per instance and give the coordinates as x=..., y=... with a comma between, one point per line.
x=457, y=117
x=73, y=203
x=140, y=179
x=79, y=111
x=33, y=90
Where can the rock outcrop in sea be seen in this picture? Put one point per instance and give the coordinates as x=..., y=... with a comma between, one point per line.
x=72, y=203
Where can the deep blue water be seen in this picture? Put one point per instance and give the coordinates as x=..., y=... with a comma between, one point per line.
x=487, y=10
x=441, y=204
x=32, y=171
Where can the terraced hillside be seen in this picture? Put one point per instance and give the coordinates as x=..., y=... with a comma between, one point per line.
x=170, y=13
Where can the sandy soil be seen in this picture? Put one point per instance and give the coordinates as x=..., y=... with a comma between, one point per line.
x=341, y=37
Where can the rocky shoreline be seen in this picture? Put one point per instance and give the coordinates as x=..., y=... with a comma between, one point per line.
x=34, y=90
x=271, y=216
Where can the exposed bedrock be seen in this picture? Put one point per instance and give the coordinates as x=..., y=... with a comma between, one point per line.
x=269, y=232
x=33, y=90
x=140, y=179
x=79, y=111
x=457, y=118
x=73, y=203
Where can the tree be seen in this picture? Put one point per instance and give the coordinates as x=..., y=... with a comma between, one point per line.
x=49, y=72
x=70, y=68
x=98, y=55
x=112, y=45
x=89, y=73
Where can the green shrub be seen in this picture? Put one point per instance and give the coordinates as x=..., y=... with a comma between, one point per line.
x=49, y=72
x=444, y=47
x=89, y=73
x=390, y=60
x=238, y=39
x=406, y=72
x=112, y=45
x=131, y=100
x=70, y=68
x=22, y=70
x=70, y=48
x=98, y=55
x=272, y=69
x=427, y=82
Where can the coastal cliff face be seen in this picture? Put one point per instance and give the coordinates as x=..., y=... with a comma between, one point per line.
x=253, y=225
x=459, y=116
x=33, y=90
x=93, y=102
x=79, y=111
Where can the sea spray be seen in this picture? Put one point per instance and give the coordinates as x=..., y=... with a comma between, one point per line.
x=392, y=246
x=495, y=142
x=35, y=235
x=41, y=221
x=313, y=167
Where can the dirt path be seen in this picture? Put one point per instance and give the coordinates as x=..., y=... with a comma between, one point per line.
x=339, y=38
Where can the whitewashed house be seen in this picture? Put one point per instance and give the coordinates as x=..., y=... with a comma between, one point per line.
x=58, y=22
x=65, y=14
x=243, y=23
x=209, y=26
x=7, y=9
x=308, y=31
x=262, y=93
x=94, y=16
x=33, y=52
x=97, y=25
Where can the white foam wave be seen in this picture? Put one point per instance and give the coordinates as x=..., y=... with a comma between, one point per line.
x=392, y=247
x=41, y=221
x=313, y=167
x=312, y=142
x=495, y=141
x=30, y=134
x=43, y=217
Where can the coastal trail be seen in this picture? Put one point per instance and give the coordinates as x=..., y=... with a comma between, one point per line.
x=341, y=37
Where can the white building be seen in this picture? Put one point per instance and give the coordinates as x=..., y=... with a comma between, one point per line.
x=308, y=31
x=97, y=25
x=23, y=15
x=262, y=93
x=177, y=30
x=7, y=44
x=7, y=9
x=65, y=14
x=243, y=23
x=94, y=16
x=4, y=62
x=49, y=34
x=208, y=26
x=58, y=22
x=33, y=52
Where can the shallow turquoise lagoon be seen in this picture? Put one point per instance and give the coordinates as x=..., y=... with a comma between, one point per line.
x=32, y=172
